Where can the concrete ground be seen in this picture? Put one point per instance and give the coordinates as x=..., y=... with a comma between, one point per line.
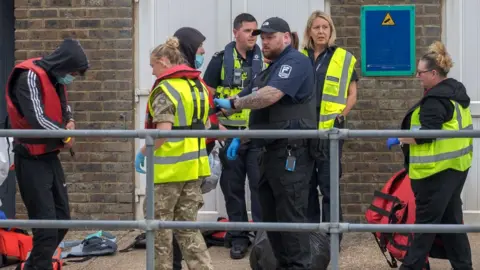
x=359, y=251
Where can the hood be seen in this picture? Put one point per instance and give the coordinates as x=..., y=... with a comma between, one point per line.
x=451, y=89
x=190, y=40
x=67, y=58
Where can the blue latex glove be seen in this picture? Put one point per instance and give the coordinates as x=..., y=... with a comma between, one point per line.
x=223, y=103
x=139, y=162
x=233, y=149
x=391, y=142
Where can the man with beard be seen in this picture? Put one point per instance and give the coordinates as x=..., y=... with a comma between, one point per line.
x=229, y=72
x=282, y=97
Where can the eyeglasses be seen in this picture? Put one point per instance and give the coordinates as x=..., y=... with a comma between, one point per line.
x=422, y=71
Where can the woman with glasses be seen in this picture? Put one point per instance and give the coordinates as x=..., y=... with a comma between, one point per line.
x=438, y=167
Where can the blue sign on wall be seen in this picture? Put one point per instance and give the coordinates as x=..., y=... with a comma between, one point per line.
x=388, y=40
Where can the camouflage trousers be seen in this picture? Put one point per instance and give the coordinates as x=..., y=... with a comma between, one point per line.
x=180, y=202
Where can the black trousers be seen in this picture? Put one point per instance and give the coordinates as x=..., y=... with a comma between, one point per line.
x=41, y=182
x=232, y=183
x=177, y=252
x=438, y=201
x=321, y=179
x=284, y=198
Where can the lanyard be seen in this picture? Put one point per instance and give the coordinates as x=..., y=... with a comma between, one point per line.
x=321, y=61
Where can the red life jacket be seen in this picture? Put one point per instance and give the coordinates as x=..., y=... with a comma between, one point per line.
x=51, y=103
x=395, y=204
x=212, y=114
x=183, y=71
x=57, y=262
x=15, y=243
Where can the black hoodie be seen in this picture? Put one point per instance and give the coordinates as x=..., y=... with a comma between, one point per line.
x=436, y=108
x=69, y=57
x=190, y=40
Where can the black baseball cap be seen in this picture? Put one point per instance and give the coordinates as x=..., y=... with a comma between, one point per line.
x=272, y=25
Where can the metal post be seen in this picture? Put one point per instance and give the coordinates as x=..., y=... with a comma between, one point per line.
x=150, y=205
x=334, y=201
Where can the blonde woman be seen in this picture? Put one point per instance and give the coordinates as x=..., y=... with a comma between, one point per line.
x=336, y=88
x=438, y=168
x=178, y=163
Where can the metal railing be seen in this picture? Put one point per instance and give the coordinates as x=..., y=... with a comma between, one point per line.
x=334, y=227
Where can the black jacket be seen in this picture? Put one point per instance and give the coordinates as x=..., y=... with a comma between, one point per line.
x=190, y=40
x=69, y=57
x=436, y=109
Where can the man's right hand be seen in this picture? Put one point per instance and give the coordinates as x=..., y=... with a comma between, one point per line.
x=223, y=103
x=69, y=144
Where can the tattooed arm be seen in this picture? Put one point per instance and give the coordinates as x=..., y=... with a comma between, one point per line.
x=262, y=98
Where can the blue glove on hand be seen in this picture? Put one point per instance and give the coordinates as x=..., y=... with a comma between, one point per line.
x=391, y=142
x=233, y=149
x=139, y=162
x=223, y=103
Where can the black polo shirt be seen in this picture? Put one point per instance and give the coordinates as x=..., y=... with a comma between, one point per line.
x=320, y=66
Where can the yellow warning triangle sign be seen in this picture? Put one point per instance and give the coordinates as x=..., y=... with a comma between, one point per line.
x=388, y=20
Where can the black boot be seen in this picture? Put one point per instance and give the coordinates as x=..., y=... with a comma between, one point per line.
x=239, y=250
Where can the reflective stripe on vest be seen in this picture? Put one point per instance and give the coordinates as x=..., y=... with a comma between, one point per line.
x=443, y=153
x=335, y=86
x=182, y=159
x=239, y=119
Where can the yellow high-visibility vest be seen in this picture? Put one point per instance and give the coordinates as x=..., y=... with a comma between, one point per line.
x=443, y=153
x=335, y=86
x=239, y=119
x=182, y=159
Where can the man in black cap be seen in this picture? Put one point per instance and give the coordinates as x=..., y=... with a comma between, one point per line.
x=282, y=97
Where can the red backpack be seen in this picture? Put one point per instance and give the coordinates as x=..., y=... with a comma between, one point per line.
x=395, y=204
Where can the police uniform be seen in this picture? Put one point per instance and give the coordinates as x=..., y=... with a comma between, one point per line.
x=334, y=71
x=286, y=164
x=228, y=72
x=179, y=164
x=438, y=170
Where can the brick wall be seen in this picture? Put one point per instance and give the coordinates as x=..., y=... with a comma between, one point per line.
x=382, y=103
x=100, y=177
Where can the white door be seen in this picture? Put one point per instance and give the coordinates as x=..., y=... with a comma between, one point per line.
x=158, y=20
x=462, y=39
x=295, y=12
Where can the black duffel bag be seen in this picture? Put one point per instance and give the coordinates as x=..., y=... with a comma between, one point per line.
x=262, y=257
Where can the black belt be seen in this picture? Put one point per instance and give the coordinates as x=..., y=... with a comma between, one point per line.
x=283, y=143
x=33, y=140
